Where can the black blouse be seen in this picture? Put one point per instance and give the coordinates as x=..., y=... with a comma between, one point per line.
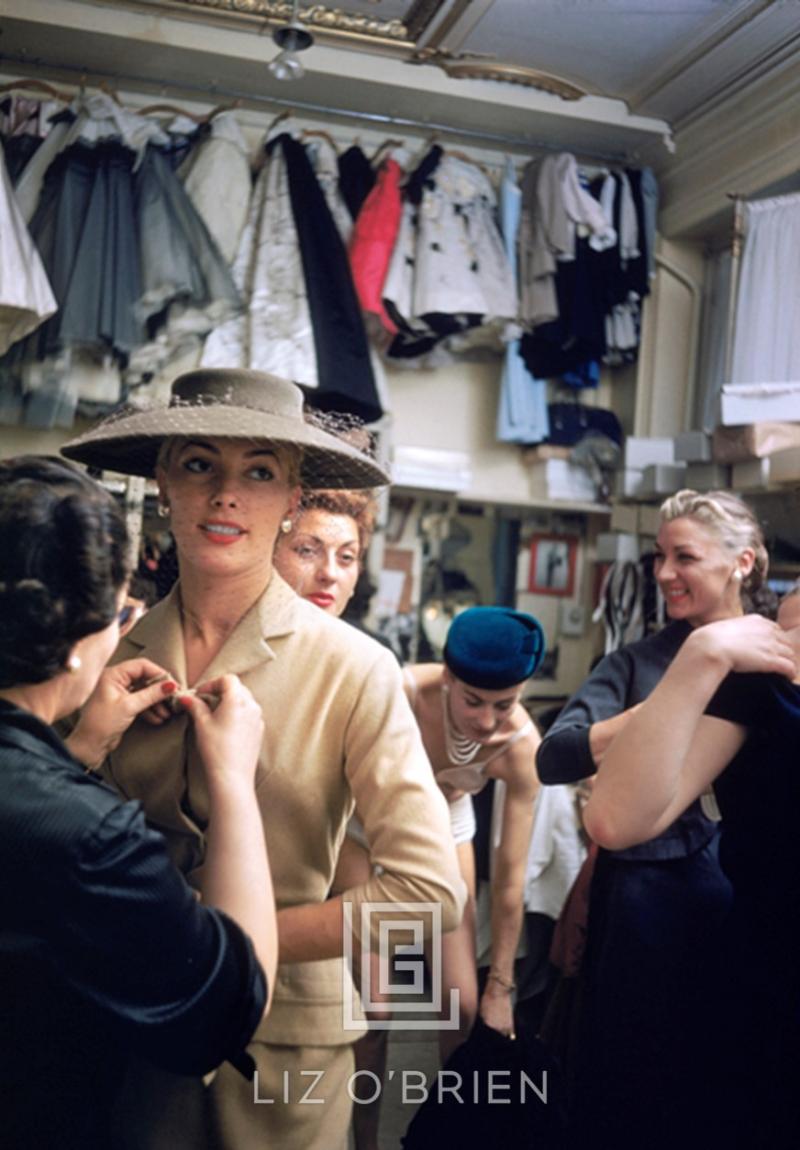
x=104, y=949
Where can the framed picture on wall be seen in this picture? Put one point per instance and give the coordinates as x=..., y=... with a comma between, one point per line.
x=552, y=569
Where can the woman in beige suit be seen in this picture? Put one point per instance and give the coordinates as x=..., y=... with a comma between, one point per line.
x=229, y=454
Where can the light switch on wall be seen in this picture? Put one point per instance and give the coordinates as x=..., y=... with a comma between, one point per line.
x=572, y=620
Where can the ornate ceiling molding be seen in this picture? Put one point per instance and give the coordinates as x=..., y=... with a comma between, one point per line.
x=398, y=37
x=318, y=17
x=465, y=67
x=420, y=15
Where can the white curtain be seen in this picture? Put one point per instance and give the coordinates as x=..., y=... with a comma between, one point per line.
x=715, y=333
x=767, y=335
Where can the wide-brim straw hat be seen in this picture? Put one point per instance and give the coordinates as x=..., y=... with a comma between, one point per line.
x=233, y=404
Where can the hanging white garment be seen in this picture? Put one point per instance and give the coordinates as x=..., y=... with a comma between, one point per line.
x=325, y=162
x=554, y=206
x=461, y=263
x=628, y=221
x=398, y=287
x=623, y=322
x=26, y=298
x=556, y=852
x=29, y=185
x=98, y=117
x=629, y=248
x=274, y=333
x=216, y=176
x=767, y=334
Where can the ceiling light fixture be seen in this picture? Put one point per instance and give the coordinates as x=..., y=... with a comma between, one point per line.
x=292, y=38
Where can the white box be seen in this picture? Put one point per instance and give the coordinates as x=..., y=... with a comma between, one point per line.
x=617, y=546
x=629, y=483
x=785, y=466
x=708, y=476
x=663, y=479
x=560, y=479
x=760, y=402
x=431, y=468
x=693, y=447
x=641, y=451
x=751, y=474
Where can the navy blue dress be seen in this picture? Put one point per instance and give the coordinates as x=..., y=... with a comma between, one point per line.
x=656, y=915
x=104, y=950
x=760, y=802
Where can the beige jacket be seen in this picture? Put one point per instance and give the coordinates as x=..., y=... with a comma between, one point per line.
x=338, y=730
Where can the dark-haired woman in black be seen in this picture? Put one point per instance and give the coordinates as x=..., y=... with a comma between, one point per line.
x=103, y=947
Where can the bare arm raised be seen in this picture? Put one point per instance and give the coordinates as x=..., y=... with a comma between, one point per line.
x=685, y=750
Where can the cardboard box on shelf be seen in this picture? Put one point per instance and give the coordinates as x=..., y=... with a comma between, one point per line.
x=785, y=466
x=617, y=546
x=545, y=451
x=628, y=483
x=760, y=402
x=750, y=474
x=624, y=517
x=649, y=520
x=753, y=441
x=560, y=479
x=432, y=468
x=663, y=479
x=693, y=447
x=708, y=476
x=642, y=451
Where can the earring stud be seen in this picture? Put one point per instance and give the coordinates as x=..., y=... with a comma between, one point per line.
x=74, y=664
x=163, y=510
x=286, y=525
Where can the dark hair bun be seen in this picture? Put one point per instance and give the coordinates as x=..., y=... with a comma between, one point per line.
x=63, y=559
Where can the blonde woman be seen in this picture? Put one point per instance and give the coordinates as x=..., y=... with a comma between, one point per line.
x=229, y=455
x=656, y=911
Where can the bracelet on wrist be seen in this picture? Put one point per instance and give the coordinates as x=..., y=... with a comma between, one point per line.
x=507, y=984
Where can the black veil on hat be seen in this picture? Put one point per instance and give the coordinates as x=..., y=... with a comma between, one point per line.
x=236, y=404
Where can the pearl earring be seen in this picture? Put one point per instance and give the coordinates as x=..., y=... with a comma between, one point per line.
x=163, y=510
x=286, y=525
x=74, y=664
x=737, y=575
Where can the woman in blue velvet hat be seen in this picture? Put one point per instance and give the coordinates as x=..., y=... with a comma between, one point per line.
x=474, y=729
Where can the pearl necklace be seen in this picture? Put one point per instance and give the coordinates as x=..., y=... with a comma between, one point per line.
x=460, y=749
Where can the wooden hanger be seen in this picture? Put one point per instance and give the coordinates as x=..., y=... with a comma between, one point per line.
x=468, y=160
x=173, y=110
x=311, y=133
x=281, y=116
x=37, y=86
x=385, y=147
x=105, y=87
x=220, y=108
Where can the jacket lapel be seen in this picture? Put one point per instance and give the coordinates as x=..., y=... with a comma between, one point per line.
x=159, y=637
x=273, y=615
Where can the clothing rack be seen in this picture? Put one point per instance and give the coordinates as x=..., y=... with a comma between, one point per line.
x=215, y=92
